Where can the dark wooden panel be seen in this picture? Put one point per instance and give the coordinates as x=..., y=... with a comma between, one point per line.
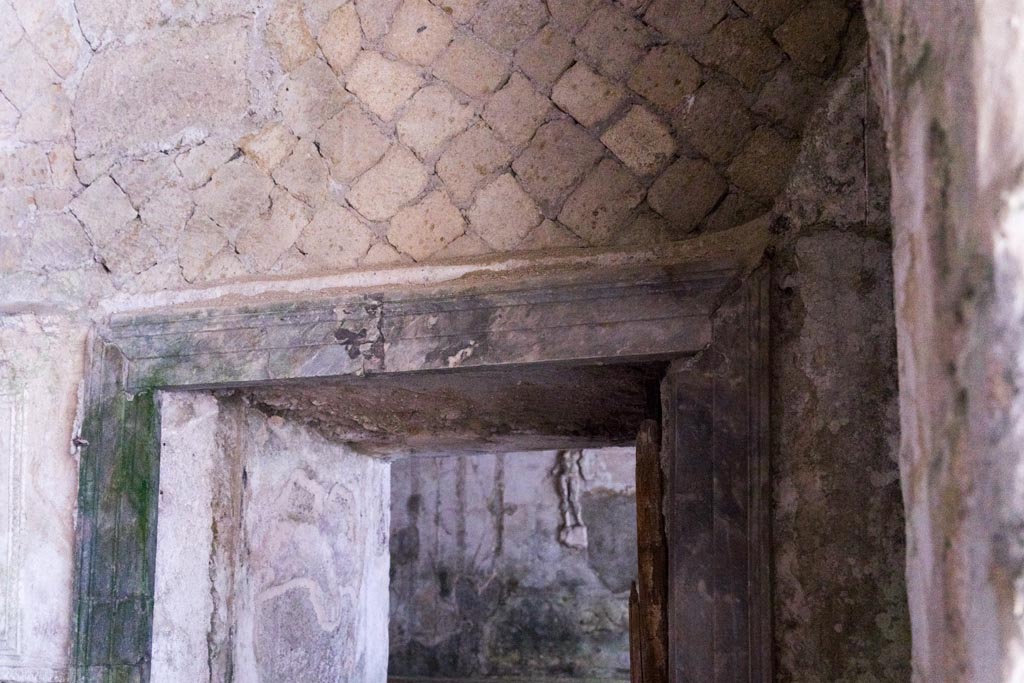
x=656, y=314
x=652, y=554
x=636, y=658
x=719, y=561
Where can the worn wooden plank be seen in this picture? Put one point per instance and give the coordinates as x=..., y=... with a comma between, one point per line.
x=719, y=556
x=636, y=660
x=116, y=530
x=652, y=549
x=656, y=315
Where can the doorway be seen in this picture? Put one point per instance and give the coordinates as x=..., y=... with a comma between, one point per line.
x=513, y=511
x=704, y=325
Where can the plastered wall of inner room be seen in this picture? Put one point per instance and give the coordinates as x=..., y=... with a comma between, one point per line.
x=512, y=565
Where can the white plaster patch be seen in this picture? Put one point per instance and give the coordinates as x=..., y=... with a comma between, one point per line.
x=462, y=355
x=12, y=455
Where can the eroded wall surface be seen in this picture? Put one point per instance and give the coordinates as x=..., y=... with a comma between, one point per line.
x=41, y=360
x=951, y=76
x=840, y=600
x=272, y=551
x=512, y=565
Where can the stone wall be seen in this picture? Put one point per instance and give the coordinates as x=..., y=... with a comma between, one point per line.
x=841, y=612
x=41, y=362
x=488, y=580
x=146, y=145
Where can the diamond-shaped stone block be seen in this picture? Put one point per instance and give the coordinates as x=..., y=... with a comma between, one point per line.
x=385, y=188
x=587, y=96
x=426, y=227
x=715, y=120
x=546, y=55
x=375, y=16
x=419, y=31
x=685, y=21
x=102, y=207
x=686, y=192
x=558, y=156
x=432, y=117
x=263, y=243
x=335, y=238
x=288, y=35
x=310, y=96
x=506, y=23
x=304, y=174
x=269, y=146
x=515, y=111
x=571, y=15
x=352, y=143
x=472, y=66
x=382, y=84
x=472, y=157
x=665, y=76
x=503, y=213
x=742, y=49
x=341, y=38
x=600, y=207
x=641, y=140
x=614, y=40
x=237, y=196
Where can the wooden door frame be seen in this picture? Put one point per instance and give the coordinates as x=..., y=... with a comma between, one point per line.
x=709, y=320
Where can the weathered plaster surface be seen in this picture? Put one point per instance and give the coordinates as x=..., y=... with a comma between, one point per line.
x=495, y=573
x=196, y=548
x=950, y=75
x=272, y=552
x=41, y=360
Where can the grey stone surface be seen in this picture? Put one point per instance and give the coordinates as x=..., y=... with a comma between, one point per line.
x=104, y=84
x=835, y=266
x=488, y=410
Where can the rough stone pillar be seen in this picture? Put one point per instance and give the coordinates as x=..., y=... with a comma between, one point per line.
x=952, y=72
x=272, y=551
